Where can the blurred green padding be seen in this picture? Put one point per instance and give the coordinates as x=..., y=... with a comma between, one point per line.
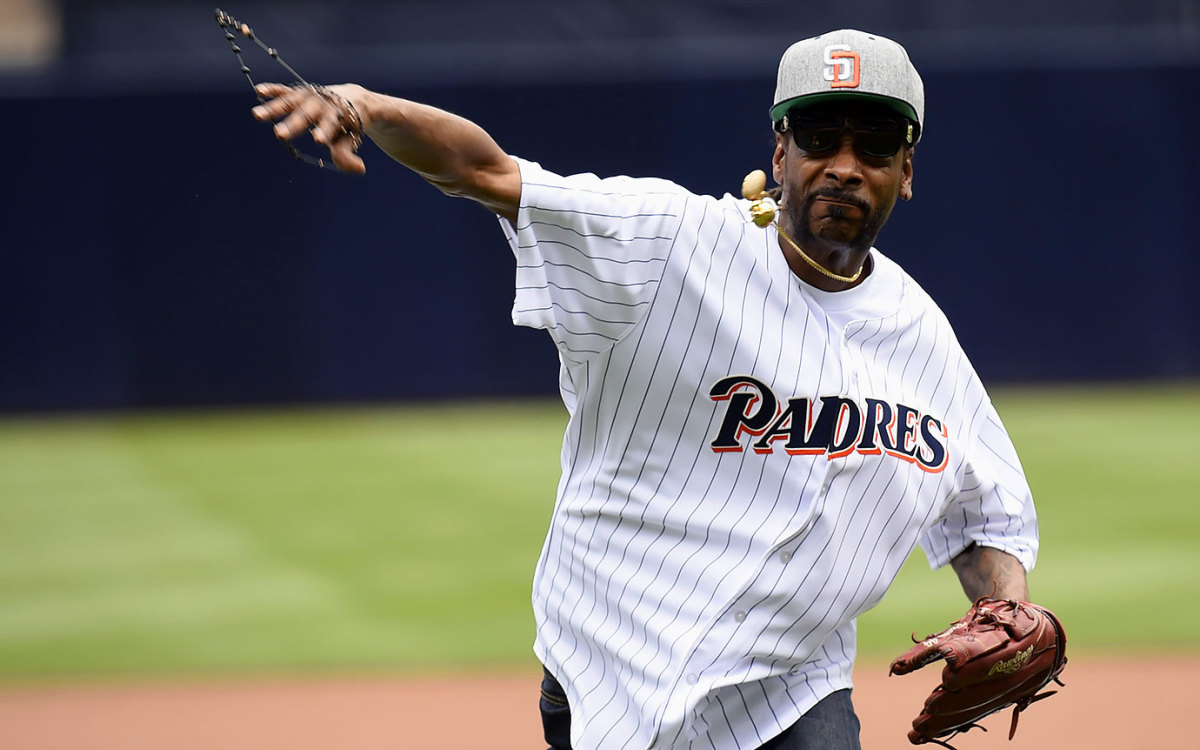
x=404, y=537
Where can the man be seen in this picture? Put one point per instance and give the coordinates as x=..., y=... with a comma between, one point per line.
x=764, y=422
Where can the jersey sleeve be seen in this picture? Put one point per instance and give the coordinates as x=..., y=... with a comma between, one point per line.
x=994, y=507
x=590, y=254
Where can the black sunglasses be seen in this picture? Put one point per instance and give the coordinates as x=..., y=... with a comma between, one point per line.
x=876, y=136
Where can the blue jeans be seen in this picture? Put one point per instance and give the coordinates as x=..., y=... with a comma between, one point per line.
x=829, y=725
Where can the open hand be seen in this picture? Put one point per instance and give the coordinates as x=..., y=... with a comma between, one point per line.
x=327, y=113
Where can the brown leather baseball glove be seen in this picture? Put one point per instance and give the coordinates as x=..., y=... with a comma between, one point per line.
x=1000, y=654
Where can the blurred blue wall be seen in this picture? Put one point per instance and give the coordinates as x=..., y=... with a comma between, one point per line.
x=160, y=249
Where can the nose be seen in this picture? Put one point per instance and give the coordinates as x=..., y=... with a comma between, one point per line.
x=843, y=166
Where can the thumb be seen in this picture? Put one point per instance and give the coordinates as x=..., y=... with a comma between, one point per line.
x=345, y=158
x=927, y=651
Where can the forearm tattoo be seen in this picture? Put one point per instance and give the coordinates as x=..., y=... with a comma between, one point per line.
x=985, y=571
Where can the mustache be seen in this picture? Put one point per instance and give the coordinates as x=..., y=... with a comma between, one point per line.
x=838, y=195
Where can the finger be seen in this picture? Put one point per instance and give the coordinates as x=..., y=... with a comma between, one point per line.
x=271, y=89
x=916, y=657
x=286, y=100
x=308, y=110
x=344, y=157
x=327, y=126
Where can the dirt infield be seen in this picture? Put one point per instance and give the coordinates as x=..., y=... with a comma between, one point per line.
x=1106, y=704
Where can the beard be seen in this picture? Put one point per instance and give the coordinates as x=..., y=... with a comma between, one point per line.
x=800, y=216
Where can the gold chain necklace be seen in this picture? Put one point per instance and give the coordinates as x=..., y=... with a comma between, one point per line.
x=763, y=210
x=816, y=265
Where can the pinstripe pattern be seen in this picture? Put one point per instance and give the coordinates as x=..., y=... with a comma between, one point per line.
x=687, y=597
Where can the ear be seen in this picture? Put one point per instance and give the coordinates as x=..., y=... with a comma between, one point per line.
x=777, y=160
x=906, y=178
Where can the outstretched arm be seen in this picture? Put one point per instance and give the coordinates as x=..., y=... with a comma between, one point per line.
x=451, y=153
x=986, y=571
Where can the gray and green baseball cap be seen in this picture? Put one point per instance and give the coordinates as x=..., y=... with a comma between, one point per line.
x=849, y=63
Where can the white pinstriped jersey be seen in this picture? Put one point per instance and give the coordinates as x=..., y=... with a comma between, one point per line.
x=714, y=536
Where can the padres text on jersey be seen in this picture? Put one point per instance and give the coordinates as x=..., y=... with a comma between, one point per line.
x=840, y=427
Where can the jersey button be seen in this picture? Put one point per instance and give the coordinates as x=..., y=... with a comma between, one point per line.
x=693, y=678
x=739, y=616
x=786, y=556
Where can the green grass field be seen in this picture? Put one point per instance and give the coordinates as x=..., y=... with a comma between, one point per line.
x=403, y=538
